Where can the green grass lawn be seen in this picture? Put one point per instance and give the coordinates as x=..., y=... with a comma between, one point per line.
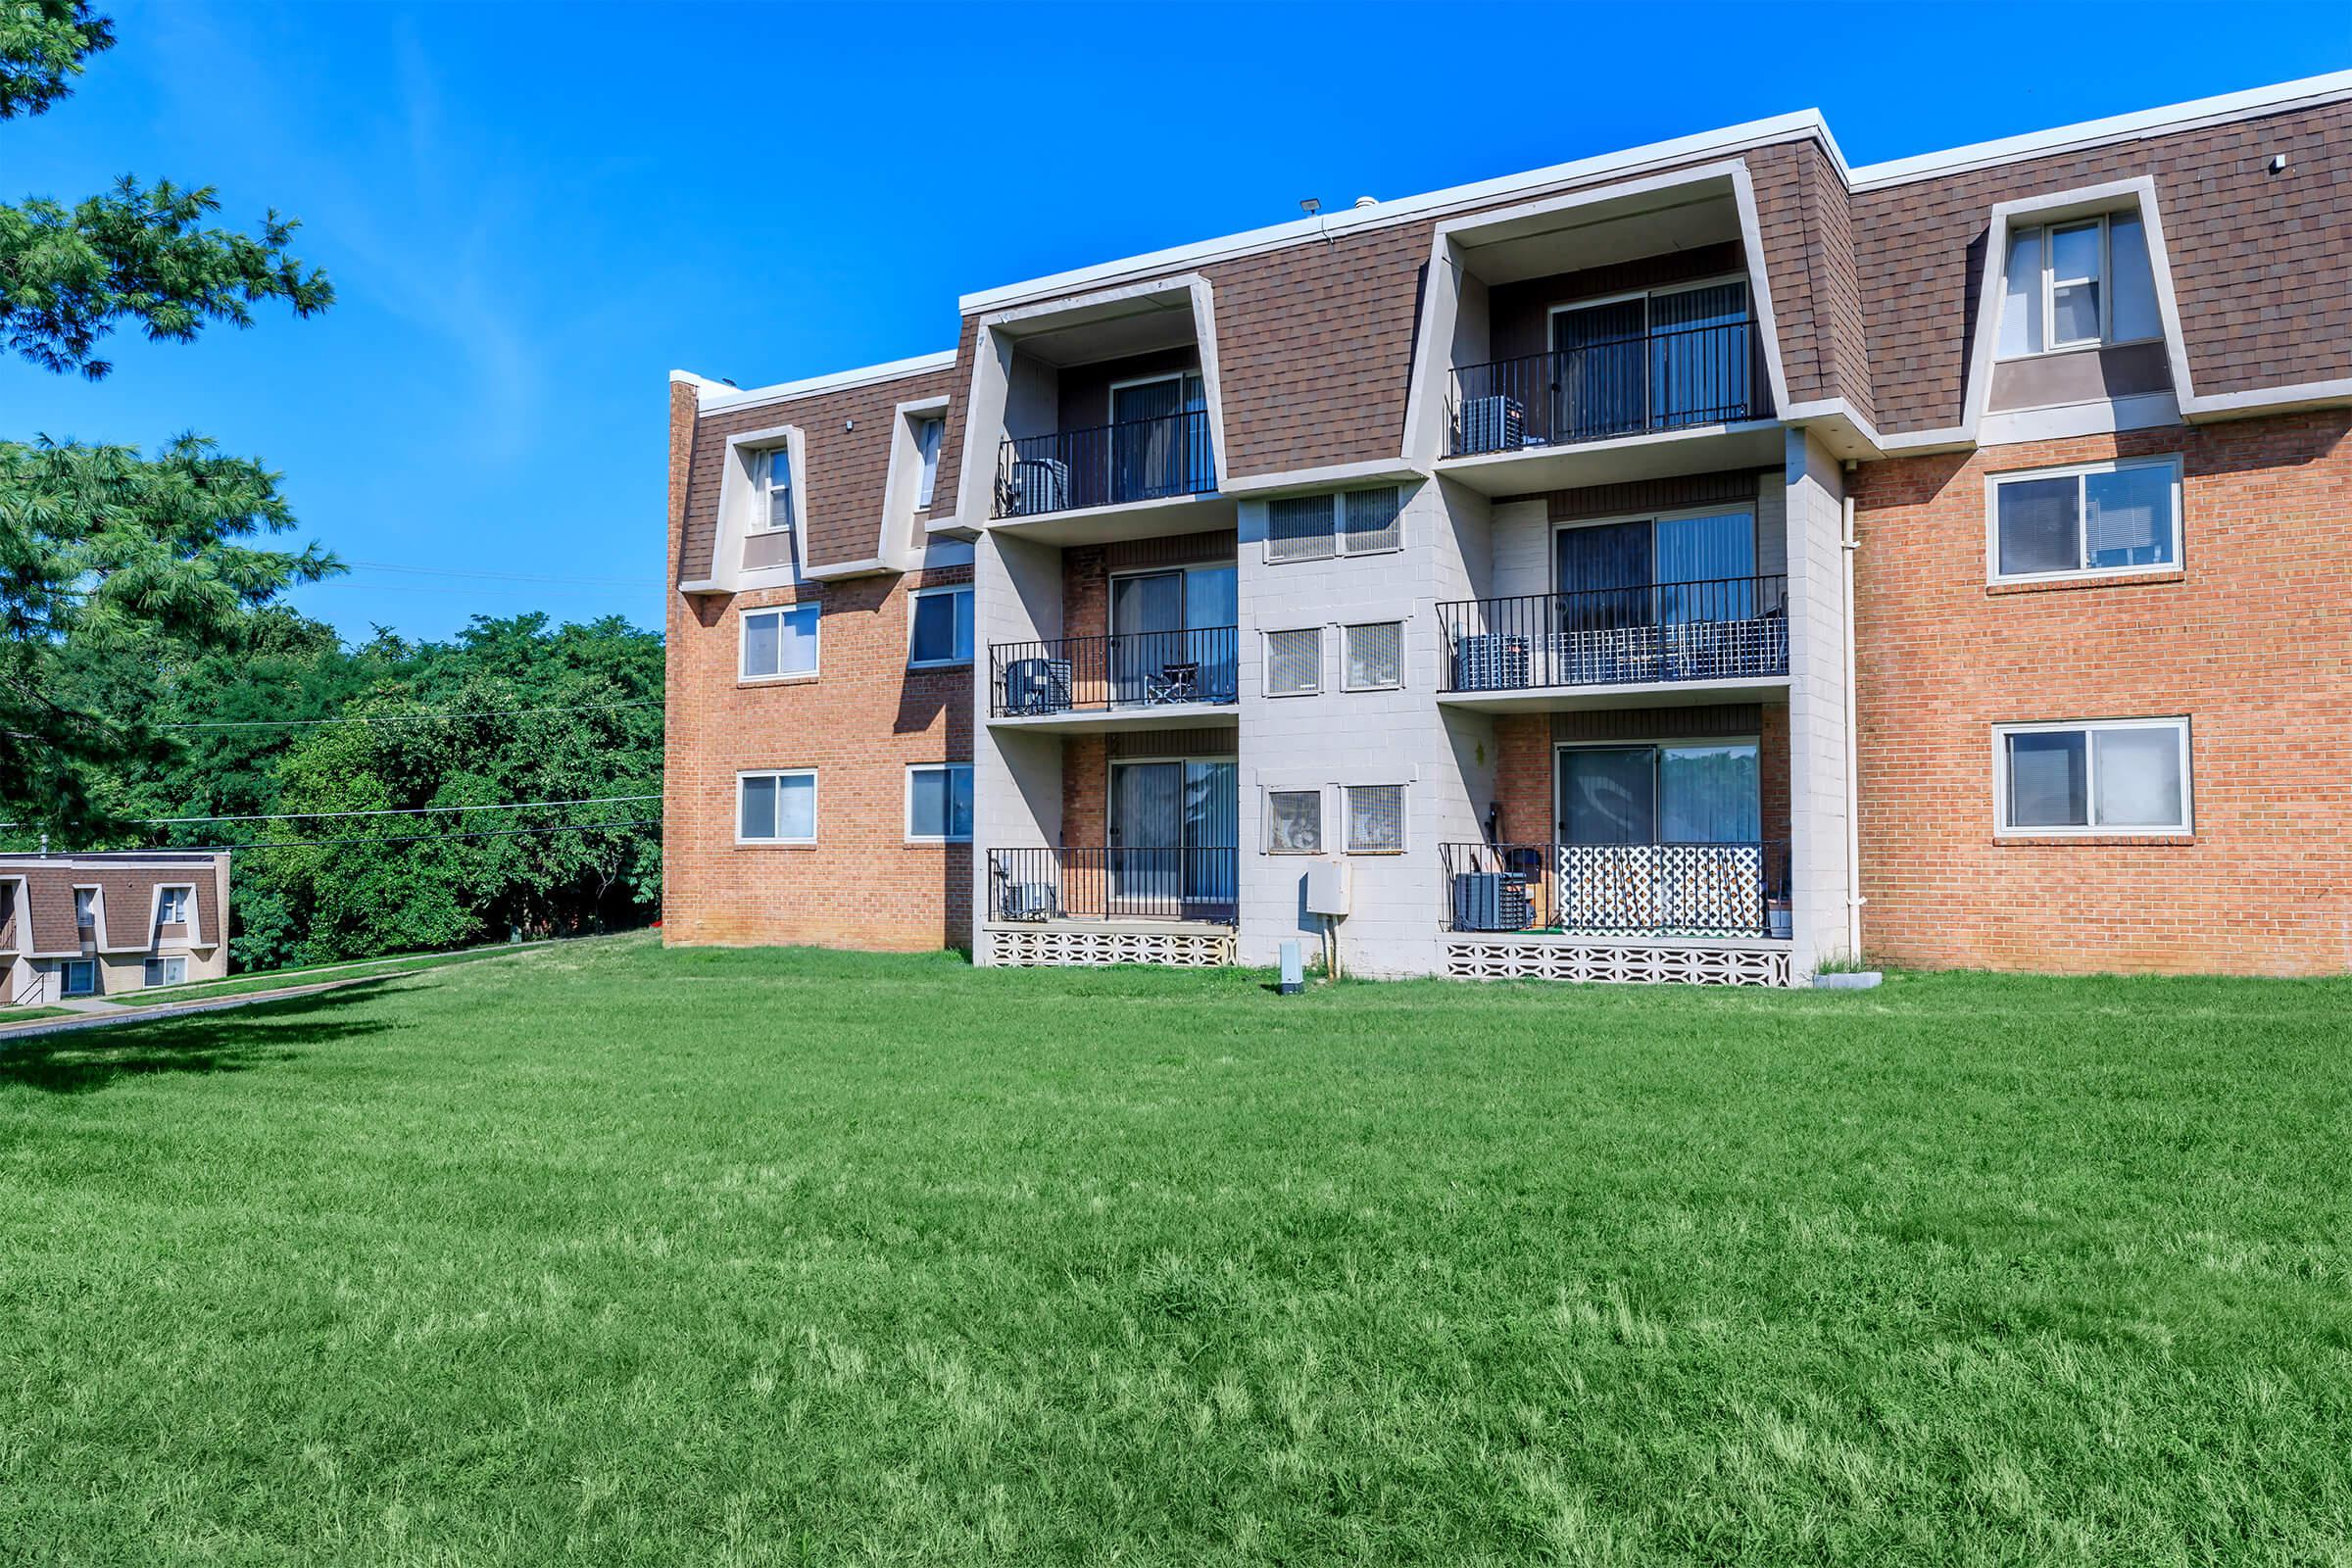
x=9, y=1016
x=304, y=975
x=609, y=1255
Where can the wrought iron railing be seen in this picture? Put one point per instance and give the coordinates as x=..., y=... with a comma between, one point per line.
x=1111, y=465
x=1671, y=380
x=1690, y=890
x=1091, y=675
x=1726, y=629
x=1080, y=882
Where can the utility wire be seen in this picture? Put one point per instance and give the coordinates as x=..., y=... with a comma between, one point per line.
x=402, y=718
x=485, y=833
x=500, y=576
x=387, y=811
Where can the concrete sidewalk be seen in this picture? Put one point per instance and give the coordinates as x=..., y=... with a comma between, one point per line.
x=105, y=1014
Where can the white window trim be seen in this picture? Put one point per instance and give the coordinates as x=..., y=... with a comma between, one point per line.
x=743, y=644
x=814, y=787
x=764, y=486
x=1336, y=544
x=906, y=810
x=1404, y=815
x=97, y=911
x=158, y=963
x=1266, y=661
x=2179, y=723
x=2046, y=285
x=2076, y=471
x=65, y=977
x=964, y=588
x=1402, y=622
x=188, y=915
x=1265, y=834
x=923, y=503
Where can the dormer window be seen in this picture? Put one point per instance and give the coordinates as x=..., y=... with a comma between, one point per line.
x=171, y=906
x=2080, y=283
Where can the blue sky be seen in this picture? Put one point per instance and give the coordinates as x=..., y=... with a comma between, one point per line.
x=531, y=214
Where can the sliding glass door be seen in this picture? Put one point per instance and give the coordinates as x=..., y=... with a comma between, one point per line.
x=1170, y=636
x=1654, y=361
x=1615, y=574
x=1701, y=793
x=1173, y=826
x=1158, y=438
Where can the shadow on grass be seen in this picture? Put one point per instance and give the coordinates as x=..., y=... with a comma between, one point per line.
x=82, y=1062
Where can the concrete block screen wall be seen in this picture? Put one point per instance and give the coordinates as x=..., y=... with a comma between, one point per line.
x=1625, y=602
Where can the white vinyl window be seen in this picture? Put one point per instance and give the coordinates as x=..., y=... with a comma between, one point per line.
x=1295, y=822
x=2078, y=285
x=779, y=642
x=777, y=808
x=928, y=433
x=2093, y=518
x=2110, y=777
x=1375, y=658
x=1294, y=662
x=1375, y=818
x=939, y=803
x=85, y=905
x=80, y=977
x=775, y=492
x=164, y=973
x=942, y=633
x=1352, y=523
x=171, y=906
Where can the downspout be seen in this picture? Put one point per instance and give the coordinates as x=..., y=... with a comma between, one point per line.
x=1853, y=740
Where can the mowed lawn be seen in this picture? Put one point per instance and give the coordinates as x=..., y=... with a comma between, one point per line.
x=608, y=1255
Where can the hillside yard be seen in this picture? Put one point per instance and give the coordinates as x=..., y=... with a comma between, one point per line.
x=608, y=1255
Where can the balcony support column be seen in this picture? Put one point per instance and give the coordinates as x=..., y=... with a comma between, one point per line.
x=1818, y=804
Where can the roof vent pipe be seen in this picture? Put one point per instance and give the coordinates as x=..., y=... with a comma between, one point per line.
x=1367, y=201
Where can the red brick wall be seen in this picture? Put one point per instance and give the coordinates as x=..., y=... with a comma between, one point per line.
x=1523, y=777
x=2252, y=639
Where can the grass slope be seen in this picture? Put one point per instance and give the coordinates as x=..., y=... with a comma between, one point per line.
x=616, y=1255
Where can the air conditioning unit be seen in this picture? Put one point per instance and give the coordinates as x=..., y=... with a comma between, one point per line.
x=1491, y=901
x=1029, y=900
x=1496, y=424
x=1491, y=662
x=1040, y=484
x=1037, y=686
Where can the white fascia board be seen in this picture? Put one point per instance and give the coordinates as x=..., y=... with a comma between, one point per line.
x=874, y=566
x=2253, y=102
x=1335, y=475
x=1735, y=138
x=713, y=397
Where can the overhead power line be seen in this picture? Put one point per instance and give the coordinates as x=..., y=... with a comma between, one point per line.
x=388, y=811
x=402, y=718
x=420, y=837
x=503, y=576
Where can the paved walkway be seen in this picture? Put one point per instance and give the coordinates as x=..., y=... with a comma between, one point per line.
x=99, y=1015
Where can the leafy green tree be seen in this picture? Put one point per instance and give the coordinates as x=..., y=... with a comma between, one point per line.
x=103, y=545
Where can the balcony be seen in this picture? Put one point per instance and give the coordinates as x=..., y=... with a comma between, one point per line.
x=1109, y=683
x=1109, y=883
x=1619, y=890
x=1729, y=633
x=1164, y=459
x=1658, y=402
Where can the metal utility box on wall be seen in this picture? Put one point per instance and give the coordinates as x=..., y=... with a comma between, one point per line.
x=1327, y=888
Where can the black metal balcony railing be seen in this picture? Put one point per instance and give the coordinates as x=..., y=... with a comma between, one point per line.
x=1671, y=380
x=1727, y=628
x=1098, y=882
x=1093, y=674
x=1111, y=465
x=1689, y=890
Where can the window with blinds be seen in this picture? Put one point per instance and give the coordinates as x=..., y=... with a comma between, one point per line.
x=1375, y=818
x=1294, y=822
x=1294, y=662
x=1353, y=523
x=1374, y=656
x=1298, y=529
x=1371, y=522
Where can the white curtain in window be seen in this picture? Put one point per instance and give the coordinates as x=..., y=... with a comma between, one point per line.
x=2138, y=777
x=795, y=807
x=2135, y=282
x=2021, y=295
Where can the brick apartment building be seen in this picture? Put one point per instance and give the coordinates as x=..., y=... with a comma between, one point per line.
x=1699, y=562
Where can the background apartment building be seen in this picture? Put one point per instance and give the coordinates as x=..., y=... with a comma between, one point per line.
x=1692, y=562
x=107, y=923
